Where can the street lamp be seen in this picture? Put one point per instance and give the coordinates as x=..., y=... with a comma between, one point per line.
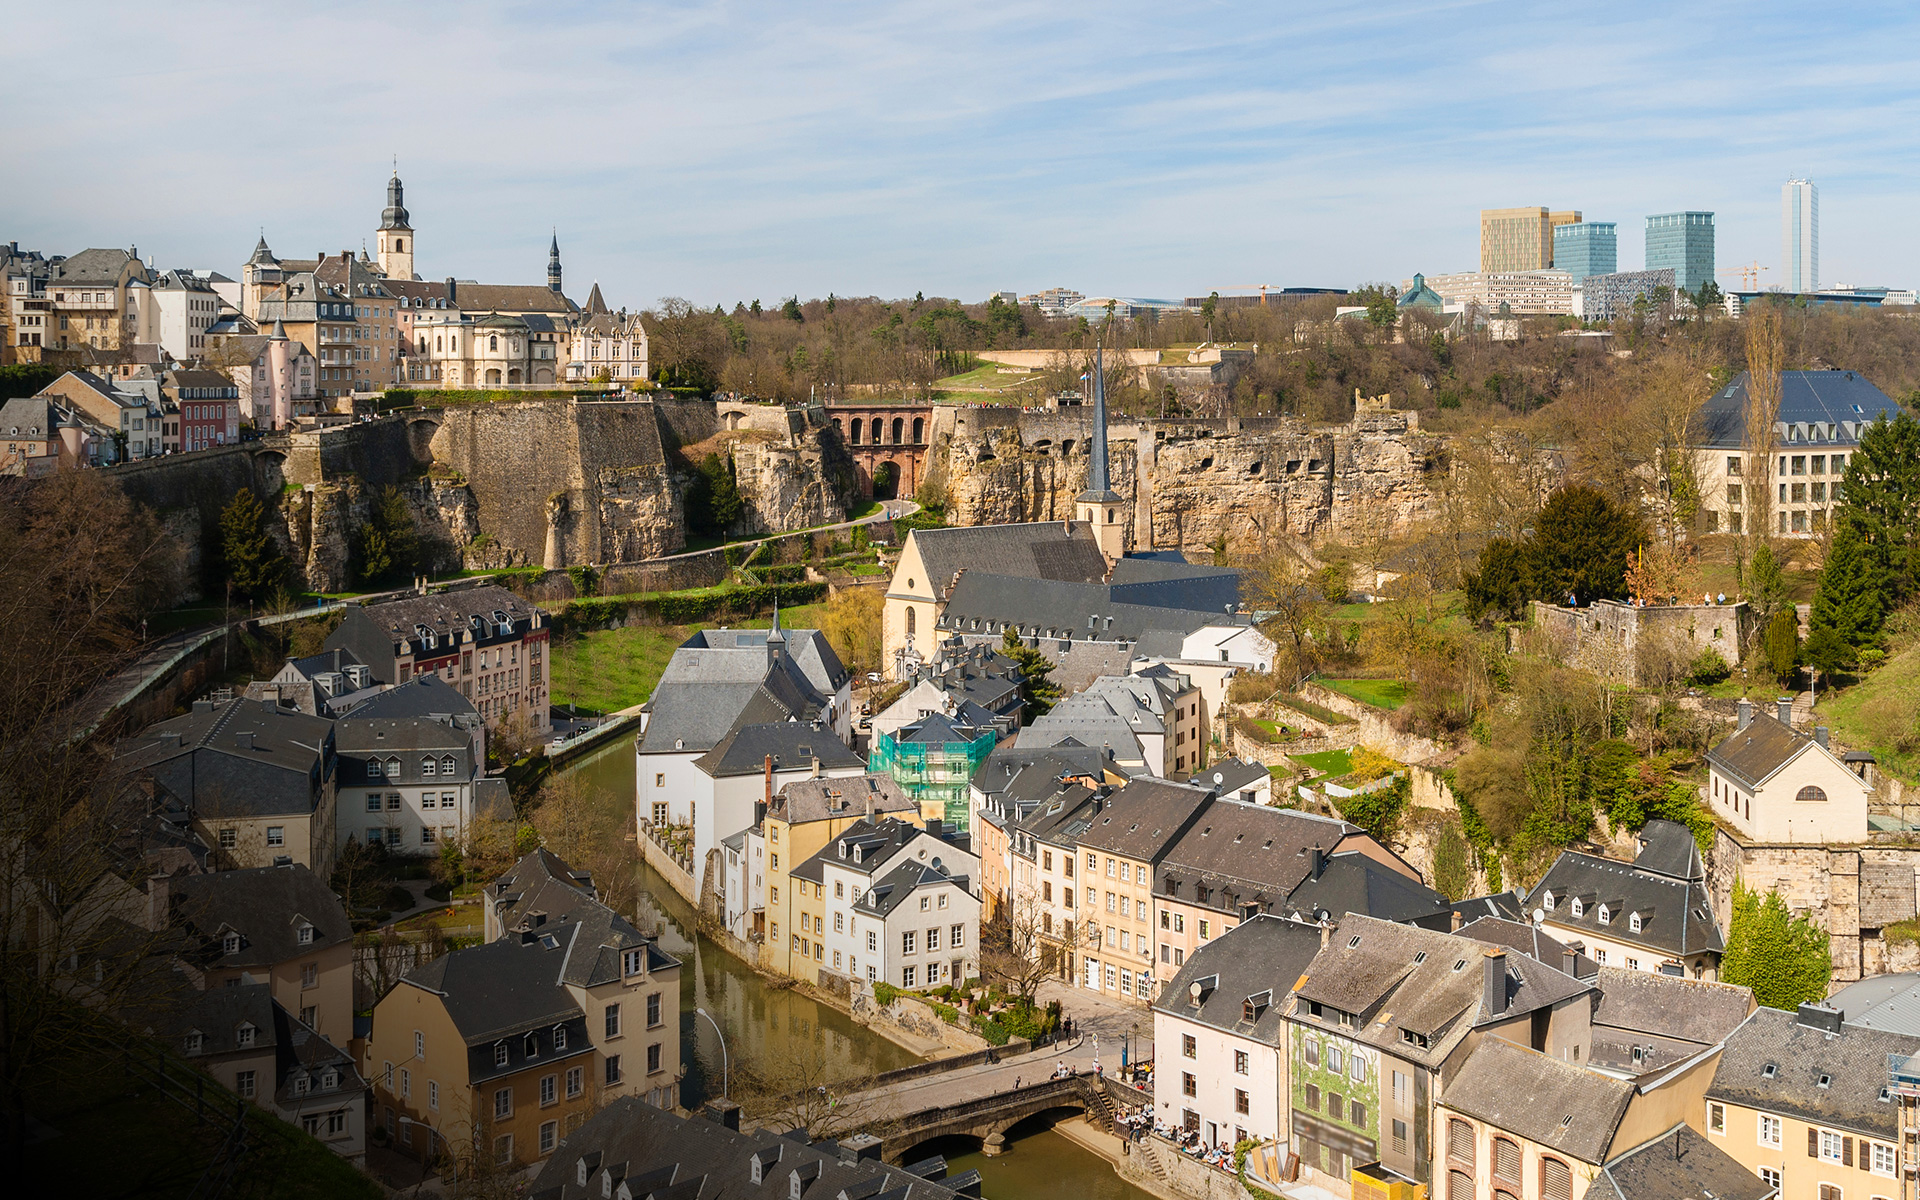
x=426, y=1162
x=723, y=1051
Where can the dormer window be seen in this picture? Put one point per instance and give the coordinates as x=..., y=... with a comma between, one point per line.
x=1606, y=918
x=1546, y=901
x=195, y=1041
x=499, y=1054
x=1633, y=922
x=633, y=962
x=447, y=765
x=305, y=935
x=428, y=766
x=393, y=767
x=559, y=1037
x=1579, y=909
x=375, y=768
x=230, y=944
x=243, y=1037
x=530, y=1046
x=329, y=1079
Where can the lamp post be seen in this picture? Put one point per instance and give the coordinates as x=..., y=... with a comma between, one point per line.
x=724, y=1067
x=426, y=1162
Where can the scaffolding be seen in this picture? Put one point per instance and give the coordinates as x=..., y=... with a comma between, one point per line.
x=1903, y=1086
x=928, y=771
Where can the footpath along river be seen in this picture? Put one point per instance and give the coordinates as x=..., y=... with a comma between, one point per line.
x=763, y=1022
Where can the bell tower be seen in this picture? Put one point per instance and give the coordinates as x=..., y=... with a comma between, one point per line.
x=395, y=239
x=1099, y=506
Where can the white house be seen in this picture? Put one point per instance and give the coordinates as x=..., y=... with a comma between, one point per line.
x=1774, y=785
x=750, y=765
x=1220, y=1035
x=900, y=903
x=405, y=783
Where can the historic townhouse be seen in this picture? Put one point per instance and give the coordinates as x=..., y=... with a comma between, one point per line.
x=90, y=302
x=1653, y=914
x=486, y=641
x=406, y=783
x=891, y=902
x=1118, y=855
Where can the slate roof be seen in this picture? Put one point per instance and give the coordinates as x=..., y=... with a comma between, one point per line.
x=427, y=696
x=1257, y=853
x=1352, y=882
x=300, y=1050
x=871, y=845
x=504, y=988
x=216, y=1014
x=266, y=906
x=808, y=648
x=1680, y=1164
x=96, y=267
x=1528, y=939
x=1144, y=818
x=1228, y=779
x=805, y=800
x=1676, y=915
x=1752, y=755
x=891, y=890
x=1843, y=399
x=744, y=750
x=1555, y=1104
x=1667, y=1019
x=1505, y=905
x=1854, y=1063
x=1428, y=982
x=241, y=757
x=1667, y=848
x=1054, y=813
x=1055, y=608
x=670, y=1157
x=1064, y=550
x=1263, y=955
x=373, y=631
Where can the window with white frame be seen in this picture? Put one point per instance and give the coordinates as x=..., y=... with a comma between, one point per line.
x=1883, y=1159
x=1769, y=1130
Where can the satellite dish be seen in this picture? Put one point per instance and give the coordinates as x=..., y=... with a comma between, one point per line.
x=1539, y=915
x=1193, y=989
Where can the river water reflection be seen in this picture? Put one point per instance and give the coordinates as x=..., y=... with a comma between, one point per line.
x=765, y=1023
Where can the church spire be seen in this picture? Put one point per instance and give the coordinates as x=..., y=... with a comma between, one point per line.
x=1099, y=506
x=553, y=264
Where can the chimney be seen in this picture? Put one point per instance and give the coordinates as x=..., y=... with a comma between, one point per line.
x=1746, y=715
x=244, y=739
x=769, y=770
x=1784, y=707
x=451, y=294
x=1326, y=932
x=1570, y=958
x=1819, y=1016
x=816, y=767
x=1494, y=994
x=1821, y=735
x=722, y=1112
x=1319, y=863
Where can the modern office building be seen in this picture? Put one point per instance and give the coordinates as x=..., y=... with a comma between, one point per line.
x=1800, y=235
x=1586, y=248
x=1605, y=297
x=1525, y=293
x=1519, y=239
x=1684, y=242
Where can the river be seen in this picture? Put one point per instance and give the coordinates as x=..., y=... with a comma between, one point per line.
x=765, y=1023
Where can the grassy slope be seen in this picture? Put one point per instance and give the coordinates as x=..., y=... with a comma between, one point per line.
x=617, y=668
x=1380, y=693
x=1326, y=762
x=1861, y=714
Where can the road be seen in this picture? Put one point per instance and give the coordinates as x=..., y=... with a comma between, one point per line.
x=886, y=512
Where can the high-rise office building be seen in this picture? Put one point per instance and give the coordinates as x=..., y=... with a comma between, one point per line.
x=1683, y=241
x=1519, y=239
x=1800, y=235
x=1586, y=248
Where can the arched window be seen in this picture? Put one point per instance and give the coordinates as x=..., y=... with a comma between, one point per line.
x=1459, y=1185
x=1556, y=1180
x=1811, y=792
x=919, y=430
x=909, y=619
x=438, y=344
x=493, y=342
x=400, y=244
x=1506, y=1161
x=1460, y=1141
x=854, y=439
x=899, y=425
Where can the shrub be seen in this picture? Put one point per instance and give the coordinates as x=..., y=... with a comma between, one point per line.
x=947, y=1013
x=884, y=994
x=1708, y=668
x=398, y=898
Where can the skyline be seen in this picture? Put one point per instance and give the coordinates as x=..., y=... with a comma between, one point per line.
x=733, y=152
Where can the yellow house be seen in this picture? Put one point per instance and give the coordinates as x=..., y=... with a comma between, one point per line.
x=1807, y=1103
x=496, y=1052
x=1117, y=854
x=804, y=817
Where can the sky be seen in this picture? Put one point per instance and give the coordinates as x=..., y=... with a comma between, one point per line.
x=730, y=151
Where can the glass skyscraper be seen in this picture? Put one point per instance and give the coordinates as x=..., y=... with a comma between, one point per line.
x=1684, y=242
x=1800, y=236
x=1589, y=248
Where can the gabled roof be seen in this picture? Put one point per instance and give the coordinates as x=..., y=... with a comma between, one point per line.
x=1145, y=818
x=792, y=745
x=1676, y=915
x=266, y=906
x=1057, y=608
x=96, y=267
x=1352, y=882
x=1063, y=550
x=871, y=846
x=1254, y=962
x=808, y=648
x=423, y=696
x=805, y=800
x=1528, y=939
x=1229, y=778
x=241, y=757
x=1680, y=1164
x=1667, y=1018
x=1837, y=398
x=1753, y=755
x=1774, y=1063
x=891, y=890
x=1668, y=848
x=1261, y=854
x=1551, y=1103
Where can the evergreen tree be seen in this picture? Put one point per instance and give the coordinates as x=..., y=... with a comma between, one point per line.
x=1881, y=493
x=1766, y=584
x=252, y=558
x=724, y=505
x=389, y=544
x=1503, y=581
x=1784, y=958
x=1782, y=644
x=1579, y=547
x=1036, y=688
x=1848, y=606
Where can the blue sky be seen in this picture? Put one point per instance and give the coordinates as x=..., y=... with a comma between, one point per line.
x=727, y=151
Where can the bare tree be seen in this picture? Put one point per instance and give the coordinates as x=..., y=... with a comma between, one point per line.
x=1017, y=945
x=801, y=1089
x=1761, y=410
x=1283, y=587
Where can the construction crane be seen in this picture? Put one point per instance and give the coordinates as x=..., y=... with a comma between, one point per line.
x=1262, y=288
x=1749, y=274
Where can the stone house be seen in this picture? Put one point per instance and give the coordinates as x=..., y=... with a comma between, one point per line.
x=90, y=301
x=131, y=421
x=1653, y=914
x=1219, y=1032
x=1815, y=1106
x=509, y=1046
x=600, y=342
x=1774, y=784
x=275, y=374
x=278, y=926
x=260, y=781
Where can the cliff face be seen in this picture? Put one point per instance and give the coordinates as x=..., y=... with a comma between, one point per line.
x=323, y=519
x=788, y=483
x=1194, y=482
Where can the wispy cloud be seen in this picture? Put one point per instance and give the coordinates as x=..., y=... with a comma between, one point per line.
x=726, y=151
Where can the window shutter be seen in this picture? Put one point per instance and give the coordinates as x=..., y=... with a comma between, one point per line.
x=1460, y=1140
x=1556, y=1180
x=1846, y=1152
x=1459, y=1186
x=1813, y=1143
x=1506, y=1160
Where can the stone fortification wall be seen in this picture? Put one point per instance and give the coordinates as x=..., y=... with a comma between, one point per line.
x=562, y=483
x=1193, y=481
x=793, y=481
x=1618, y=640
x=686, y=419
x=380, y=452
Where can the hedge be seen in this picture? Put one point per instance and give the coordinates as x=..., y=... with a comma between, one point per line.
x=685, y=608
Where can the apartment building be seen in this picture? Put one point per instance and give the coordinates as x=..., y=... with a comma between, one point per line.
x=89, y=298
x=486, y=641
x=129, y=418
x=208, y=404
x=1653, y=914
x=506, y=1048
x=1118, y=854
x=802, y=818
x=406, y=783
x=889, y=901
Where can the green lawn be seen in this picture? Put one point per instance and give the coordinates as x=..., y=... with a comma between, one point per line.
x=612, y=669
x=1380, y=693
x=1878, y=713
x=1326, y=762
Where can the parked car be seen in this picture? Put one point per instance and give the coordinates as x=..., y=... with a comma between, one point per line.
x=874, y=677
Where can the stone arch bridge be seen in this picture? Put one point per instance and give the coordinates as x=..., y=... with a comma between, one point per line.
x=988, y=1118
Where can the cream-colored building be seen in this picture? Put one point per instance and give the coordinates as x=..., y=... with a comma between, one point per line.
x=600, y=343
x=1776, y=785
x=1118, y=853
x=90, y=300
x=1652, y=914
x=1534, y=292
x=1519, y=239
